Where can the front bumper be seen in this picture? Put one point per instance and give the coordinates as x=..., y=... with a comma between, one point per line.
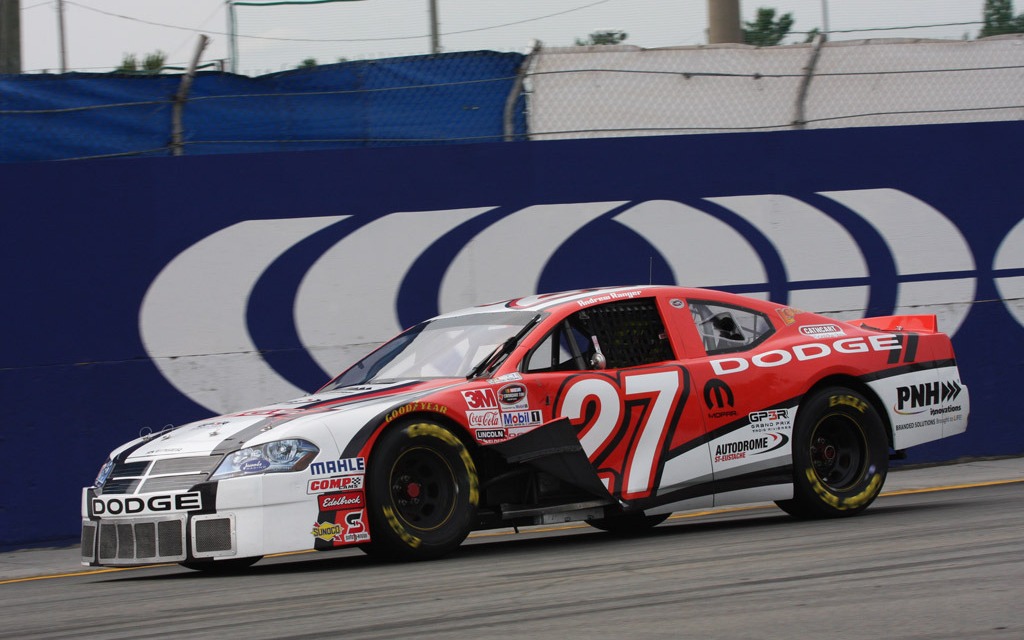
x=150, y=540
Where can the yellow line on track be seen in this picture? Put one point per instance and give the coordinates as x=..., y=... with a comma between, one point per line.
x=533, y=529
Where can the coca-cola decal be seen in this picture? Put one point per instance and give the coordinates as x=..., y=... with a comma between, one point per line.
x=483, y=418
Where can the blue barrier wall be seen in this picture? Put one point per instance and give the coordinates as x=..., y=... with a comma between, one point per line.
x=454, y=97
x=89, y=247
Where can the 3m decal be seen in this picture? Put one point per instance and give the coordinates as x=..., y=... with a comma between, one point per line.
x=662, y=394
x=480, y=399
x=130, y=505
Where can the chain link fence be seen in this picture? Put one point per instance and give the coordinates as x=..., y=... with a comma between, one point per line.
x=587, y=92
x=552, y=93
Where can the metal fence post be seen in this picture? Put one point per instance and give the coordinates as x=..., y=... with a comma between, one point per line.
x=177, y=146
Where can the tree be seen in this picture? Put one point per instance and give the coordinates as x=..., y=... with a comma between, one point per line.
x=153, y=63
x=765, y=30
x=603, y=37
x=308, y=63
x=998, y=16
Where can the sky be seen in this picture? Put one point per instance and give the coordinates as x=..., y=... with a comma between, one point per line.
x=99, y=33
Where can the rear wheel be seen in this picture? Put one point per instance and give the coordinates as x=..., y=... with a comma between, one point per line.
x=422, y=492
x=840, y=455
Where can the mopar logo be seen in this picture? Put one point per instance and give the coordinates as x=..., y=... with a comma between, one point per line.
x=131, y=505
x=717, y=394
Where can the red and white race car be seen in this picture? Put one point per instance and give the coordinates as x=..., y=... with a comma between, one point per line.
x=612, y=406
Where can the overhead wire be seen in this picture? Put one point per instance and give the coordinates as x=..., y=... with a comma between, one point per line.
x=239, y=35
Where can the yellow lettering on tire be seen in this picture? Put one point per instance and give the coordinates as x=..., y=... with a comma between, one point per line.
x=850, y=502
x=428, y=429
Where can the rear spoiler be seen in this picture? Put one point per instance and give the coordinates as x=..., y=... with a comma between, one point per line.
x=918, y=324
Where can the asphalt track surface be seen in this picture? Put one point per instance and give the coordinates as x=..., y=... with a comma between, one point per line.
x=941, y=562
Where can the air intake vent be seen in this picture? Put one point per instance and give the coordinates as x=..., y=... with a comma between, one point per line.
x=133, y=540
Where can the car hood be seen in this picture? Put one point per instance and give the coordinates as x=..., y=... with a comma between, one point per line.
x=304, y=417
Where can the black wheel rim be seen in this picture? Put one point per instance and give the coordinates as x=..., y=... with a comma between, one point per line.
x=423, y=488
x=838, y=451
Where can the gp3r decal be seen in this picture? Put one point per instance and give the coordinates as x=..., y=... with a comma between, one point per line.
x=625, y=423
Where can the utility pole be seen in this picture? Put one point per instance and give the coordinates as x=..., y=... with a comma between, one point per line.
x=724, y=21
x=824, y=20
x=10, y=36
x=435, y=37
x=60, y=34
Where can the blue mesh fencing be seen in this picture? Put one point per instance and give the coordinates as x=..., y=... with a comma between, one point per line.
x=447, y=98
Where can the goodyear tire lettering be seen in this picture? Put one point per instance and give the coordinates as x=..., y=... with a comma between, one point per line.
x=428, y=429
x=840, y=455
x=397, y=527
x=422, y=491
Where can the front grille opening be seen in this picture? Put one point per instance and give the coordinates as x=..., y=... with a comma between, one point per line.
x=171, y=538
x=89, y=542
x=145, y=540
x=213, y=535
x=108, y=541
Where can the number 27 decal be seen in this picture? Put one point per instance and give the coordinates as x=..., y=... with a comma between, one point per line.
x=628, y=429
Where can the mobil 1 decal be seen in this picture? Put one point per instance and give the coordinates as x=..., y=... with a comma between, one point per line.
x=626, y=423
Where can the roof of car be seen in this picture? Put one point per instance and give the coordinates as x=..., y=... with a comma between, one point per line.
x=580, y=298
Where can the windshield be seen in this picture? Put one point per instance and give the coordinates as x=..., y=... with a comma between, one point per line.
x=443, y=348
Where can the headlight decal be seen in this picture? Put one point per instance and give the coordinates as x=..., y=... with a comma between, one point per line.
x=272, y=457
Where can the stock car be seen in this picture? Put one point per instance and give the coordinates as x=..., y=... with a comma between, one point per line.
x=613, y=406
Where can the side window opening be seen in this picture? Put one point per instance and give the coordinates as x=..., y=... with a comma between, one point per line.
x=613, y=335
x=725, y=328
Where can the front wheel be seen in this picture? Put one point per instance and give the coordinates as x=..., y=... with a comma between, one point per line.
x=422, y=492
x=840, y=455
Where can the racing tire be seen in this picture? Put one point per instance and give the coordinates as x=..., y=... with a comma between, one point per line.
x=422, y=493
x=221, y=567
x=629, y=524
x=840, y=455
